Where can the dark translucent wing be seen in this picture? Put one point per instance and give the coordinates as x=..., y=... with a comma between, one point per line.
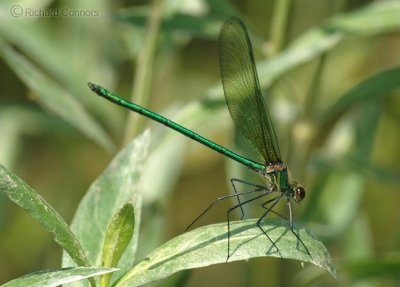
x=242, y=91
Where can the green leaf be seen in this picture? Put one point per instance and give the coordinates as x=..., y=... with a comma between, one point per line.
x=208, y=245
x=375, y=88
x=376, y=18
x=203, y=27
x=54, y=97
x=170, y=148
x=116, y=186
x=52, y=278
x=118, y=236
x=19, y=192
x=306, y=48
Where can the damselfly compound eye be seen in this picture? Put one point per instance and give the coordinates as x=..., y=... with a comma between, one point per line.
x=299, y=193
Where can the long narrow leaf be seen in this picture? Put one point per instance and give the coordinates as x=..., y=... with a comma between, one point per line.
x=53, y=97
x=119, y=234
x=53, y=278
x=116, y=186
x=208, y=245
x=19, y=192
x=375, y=87
x=377, y=18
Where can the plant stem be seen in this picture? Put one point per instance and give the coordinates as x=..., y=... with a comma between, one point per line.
x=144, y=68
x=279, y=24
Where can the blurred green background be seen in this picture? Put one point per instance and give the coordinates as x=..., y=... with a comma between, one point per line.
x=330, y=70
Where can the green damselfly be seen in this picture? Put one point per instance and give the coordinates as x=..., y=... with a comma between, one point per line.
x=250, y=114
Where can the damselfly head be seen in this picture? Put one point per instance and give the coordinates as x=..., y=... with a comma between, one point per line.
x=299, y=193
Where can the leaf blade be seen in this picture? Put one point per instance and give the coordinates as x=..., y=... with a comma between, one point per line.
x=54, y=97
x=374, y=19
x=53, y=278
x=117, y=185
x=36, y=206
x=117, y=238
x=207, y=245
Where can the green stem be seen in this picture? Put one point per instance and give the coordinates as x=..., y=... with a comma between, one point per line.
x=314, y=89
x=306, y=126
x=144, y=68
x=279, y=24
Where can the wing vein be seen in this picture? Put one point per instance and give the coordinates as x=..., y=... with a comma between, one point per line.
x=242, y=90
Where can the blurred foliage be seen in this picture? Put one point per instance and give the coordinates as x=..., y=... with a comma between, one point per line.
x=331, y=69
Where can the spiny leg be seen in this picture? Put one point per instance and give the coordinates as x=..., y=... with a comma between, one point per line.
x=236, y=180
x=232, y=209
x=291, y=227
x=221, y=198
x=277, y=199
